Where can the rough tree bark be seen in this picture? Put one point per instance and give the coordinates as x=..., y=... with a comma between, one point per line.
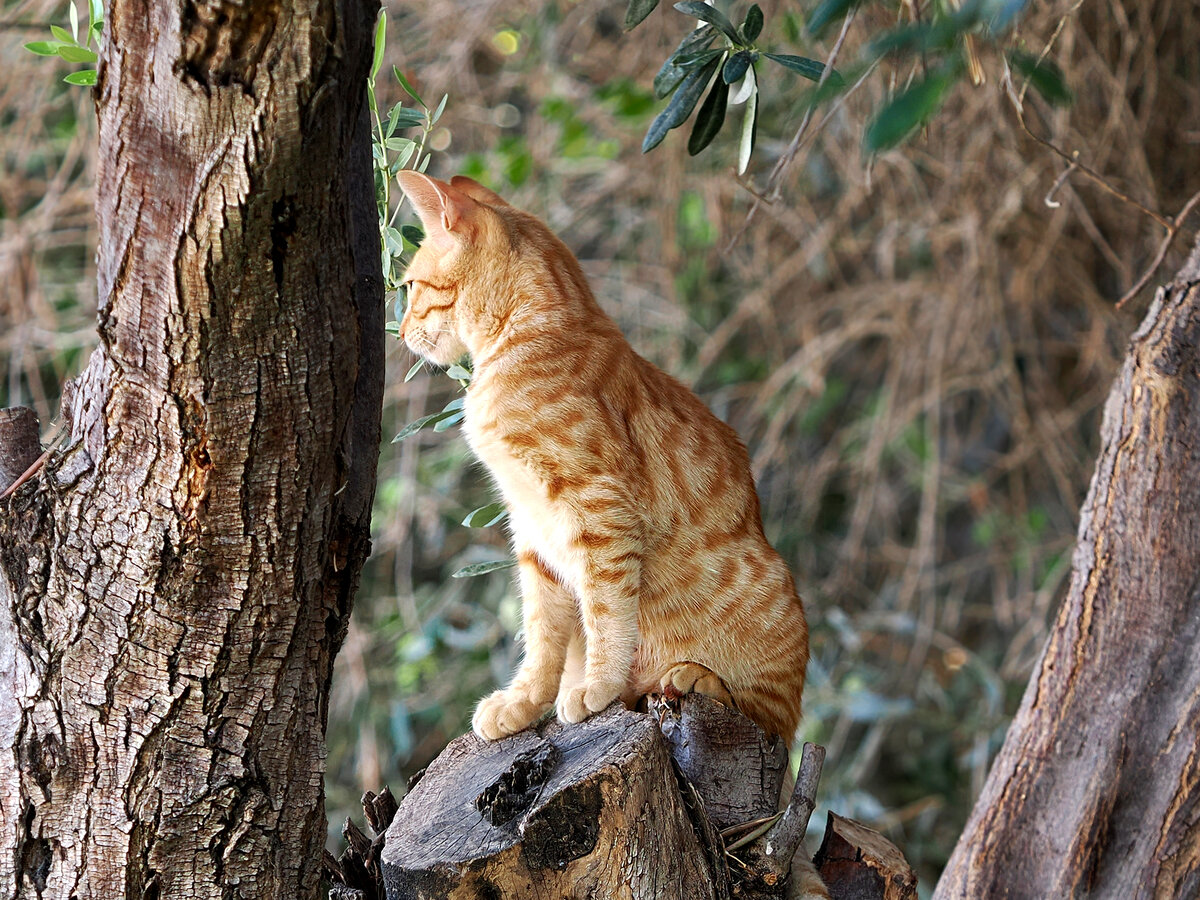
x=175, y=583
x=1096, y=791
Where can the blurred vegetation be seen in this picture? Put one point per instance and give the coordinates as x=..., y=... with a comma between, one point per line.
x=915, y=347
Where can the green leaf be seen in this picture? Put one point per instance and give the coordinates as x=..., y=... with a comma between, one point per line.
x=448, y=421
x=709, y=14
x=424, y=422
x=62, y=34
x=409, y=118
x=483, y=568
x=749, y=127
x=413, y=234
x=441, y=107
x=392, y=240
x=392, y=328
x=73, y=16
x=408, y=88
x=671, y=74
x=809, y=68
x=681, y=105
x=95, y=13
x=690, y=61
x=417, y=367
x=826, y=13
x=736, y=66
x=485, y=516
x=86, y=77
x=380, y=42
x=710, y=118
x=1044, y=77
x=459, y=373
x=908, y=110
x=1002, y=12
x=397, y=143
x=77, y=54
x=391, y=125
x=455, y=405
x=637, y=11
x=918, y=38
x=752, y=26
x=43, y=48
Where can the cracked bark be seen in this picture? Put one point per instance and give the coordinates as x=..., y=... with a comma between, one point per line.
x=1096, y=791
x=175, y=583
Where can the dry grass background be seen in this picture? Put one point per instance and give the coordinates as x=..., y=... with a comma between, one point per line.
x=915, y=349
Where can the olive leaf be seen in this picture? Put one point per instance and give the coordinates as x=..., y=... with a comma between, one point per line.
x=711, y=15
x=671, y=73
x=1044, y=77
x=908, y=110
x=809, y=68
x=710, y=118
x=736, y=66
x=681, y=105
x=826, y=13
x=483, y=568
x=752, y=26
x=637, y=11
x=749, y=126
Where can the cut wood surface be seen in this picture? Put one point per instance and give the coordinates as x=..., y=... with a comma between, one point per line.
x=858, y=863
x=1096, y=791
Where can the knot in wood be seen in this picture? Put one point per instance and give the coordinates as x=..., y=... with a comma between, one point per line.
x=518, y=786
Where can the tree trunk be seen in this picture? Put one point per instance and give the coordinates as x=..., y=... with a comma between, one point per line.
x=175, y=583
x=1096, y=789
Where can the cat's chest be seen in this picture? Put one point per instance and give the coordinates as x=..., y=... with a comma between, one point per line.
x=485, y=432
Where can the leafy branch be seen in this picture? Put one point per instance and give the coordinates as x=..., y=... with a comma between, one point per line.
x=945, y=45
x=68, y=45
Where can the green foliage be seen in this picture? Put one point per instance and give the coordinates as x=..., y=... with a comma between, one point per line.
x=1044, y=77
x=484, y=568
x=690, y=70
x=944, y=46
x=392, y=152
x=908, y=110
x=70, y=46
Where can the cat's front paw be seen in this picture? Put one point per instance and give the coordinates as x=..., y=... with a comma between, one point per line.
x=585, y=700
x=506, y=712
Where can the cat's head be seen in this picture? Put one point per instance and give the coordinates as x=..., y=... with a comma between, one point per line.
x=458, y=281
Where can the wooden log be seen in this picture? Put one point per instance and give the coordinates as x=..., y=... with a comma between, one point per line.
x=858, y=863
x=561, y=811
x=716, y=747
x=610, y=809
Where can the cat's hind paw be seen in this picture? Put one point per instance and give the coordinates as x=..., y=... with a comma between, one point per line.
x=585, y=700
x=693, y=678
x=506, y=712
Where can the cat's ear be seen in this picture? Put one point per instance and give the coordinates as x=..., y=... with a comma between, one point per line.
x=477, y=191
x=441, y=207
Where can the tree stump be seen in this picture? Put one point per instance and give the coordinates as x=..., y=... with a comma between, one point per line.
x=675, y=805
x=557, y=812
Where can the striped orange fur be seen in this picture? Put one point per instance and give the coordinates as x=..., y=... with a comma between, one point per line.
x=643, y=565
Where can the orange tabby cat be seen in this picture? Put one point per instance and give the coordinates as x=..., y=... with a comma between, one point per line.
x=643, y=565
